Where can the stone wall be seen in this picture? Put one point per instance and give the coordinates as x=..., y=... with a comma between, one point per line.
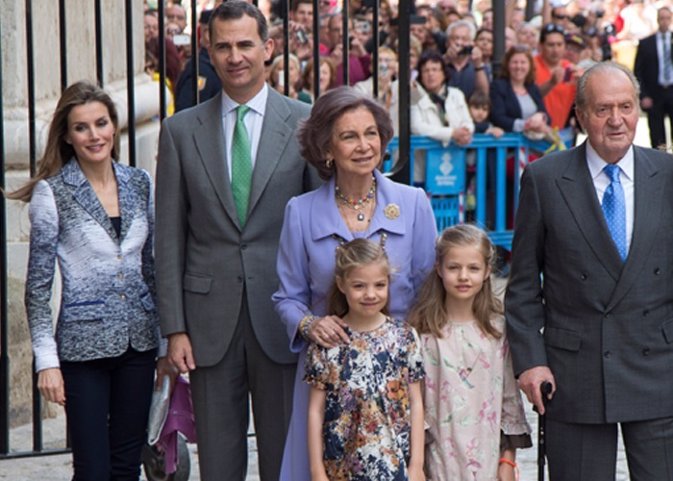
x=81, y=64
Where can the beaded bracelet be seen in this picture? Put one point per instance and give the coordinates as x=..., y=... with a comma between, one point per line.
x=305, y=324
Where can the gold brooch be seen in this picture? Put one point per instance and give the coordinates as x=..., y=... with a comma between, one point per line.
x=392, y=211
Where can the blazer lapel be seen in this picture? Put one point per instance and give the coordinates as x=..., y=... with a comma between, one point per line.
x=275, y=136
x=86, y=197
x=578, y=190
x=128, y=200
x=209, y=142
x=648, y=192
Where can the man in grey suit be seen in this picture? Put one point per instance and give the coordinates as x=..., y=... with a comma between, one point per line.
x=589, y=305
x=226, y=169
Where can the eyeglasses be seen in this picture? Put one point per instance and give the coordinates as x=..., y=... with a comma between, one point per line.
x=560, y=16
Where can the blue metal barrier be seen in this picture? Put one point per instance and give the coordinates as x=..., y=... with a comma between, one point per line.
x=446, y=173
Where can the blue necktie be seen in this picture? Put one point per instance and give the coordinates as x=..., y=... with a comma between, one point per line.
x=614, y=208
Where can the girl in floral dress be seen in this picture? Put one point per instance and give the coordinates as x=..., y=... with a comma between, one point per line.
x=473, y=408
x=365, y=419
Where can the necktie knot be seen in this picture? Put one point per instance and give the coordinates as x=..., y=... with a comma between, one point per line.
x=241, y=110
x=613, y=172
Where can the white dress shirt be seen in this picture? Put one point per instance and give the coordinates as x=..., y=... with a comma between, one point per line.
x=253, y=122
x=602, y=181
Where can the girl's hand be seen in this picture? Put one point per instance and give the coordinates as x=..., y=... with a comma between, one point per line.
x=51, y=386
x=495, y=132
x=506, y=472
x=328, y=332
x=416, y=473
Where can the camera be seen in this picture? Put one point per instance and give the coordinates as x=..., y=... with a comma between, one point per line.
x=466, y=50
x=301, y=36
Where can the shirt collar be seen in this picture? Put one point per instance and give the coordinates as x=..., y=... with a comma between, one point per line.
x=257, y=103
x=596, y=163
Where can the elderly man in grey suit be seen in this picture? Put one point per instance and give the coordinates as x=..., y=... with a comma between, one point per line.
x=226, y=169
x=589, y=305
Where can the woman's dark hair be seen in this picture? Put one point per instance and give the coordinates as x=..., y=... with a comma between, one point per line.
x=315, y=133
x=516, y=49
x=431, y=56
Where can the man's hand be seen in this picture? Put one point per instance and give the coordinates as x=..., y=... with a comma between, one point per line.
x=530, y=382
x=180, y=352
x=646, y=103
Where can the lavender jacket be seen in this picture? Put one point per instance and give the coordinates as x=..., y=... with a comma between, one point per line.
x=107, y=299
x=311, y=232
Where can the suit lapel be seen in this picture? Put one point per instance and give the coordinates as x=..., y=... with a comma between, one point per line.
x=275, y=136
x=578, y=190
x=209, y=142
x=84, y=195
x=649, y=189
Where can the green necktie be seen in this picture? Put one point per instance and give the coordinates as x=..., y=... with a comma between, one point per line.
x=241, y=165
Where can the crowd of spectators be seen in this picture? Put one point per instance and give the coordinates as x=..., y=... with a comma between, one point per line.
x=531, y=90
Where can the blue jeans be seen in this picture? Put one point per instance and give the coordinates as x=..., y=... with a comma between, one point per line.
x=107, y=405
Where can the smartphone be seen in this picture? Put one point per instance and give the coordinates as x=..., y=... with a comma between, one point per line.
x=182, y=39
x=568, y=74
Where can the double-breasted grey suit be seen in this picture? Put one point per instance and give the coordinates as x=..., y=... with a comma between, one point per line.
x=208, y=265
x=608, y=324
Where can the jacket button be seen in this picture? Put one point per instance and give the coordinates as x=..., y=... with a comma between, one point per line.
x=584, y=277
x=122, y=297
x=646, y=351
x=606, y=354
x=646, y=312
x=244, y=247
x=657, y=271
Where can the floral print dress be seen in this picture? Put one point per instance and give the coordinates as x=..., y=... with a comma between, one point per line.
x=470, y=396
x=367, y=423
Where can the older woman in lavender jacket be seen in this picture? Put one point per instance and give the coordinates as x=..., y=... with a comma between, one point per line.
x=344, y=139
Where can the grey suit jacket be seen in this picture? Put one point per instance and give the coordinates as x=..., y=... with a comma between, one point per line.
x=608, y=326
x=204, y=258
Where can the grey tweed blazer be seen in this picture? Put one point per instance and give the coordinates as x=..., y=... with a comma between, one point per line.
x=107, y=300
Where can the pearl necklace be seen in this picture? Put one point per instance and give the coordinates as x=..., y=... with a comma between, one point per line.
x=357, y=204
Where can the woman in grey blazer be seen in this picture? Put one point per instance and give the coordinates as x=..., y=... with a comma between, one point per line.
x=95, y=218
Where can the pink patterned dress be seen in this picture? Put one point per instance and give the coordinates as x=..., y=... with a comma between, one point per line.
x=470, y=397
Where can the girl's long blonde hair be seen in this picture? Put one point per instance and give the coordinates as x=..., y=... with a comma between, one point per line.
x=429, y=315
x=350, y=256
x=58, y=151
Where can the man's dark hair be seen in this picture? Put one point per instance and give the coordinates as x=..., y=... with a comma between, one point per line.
x=295, y=4
x=235, y=9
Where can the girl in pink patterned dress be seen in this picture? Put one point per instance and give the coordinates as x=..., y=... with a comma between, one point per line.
x=365, y=419
x=473, y=410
